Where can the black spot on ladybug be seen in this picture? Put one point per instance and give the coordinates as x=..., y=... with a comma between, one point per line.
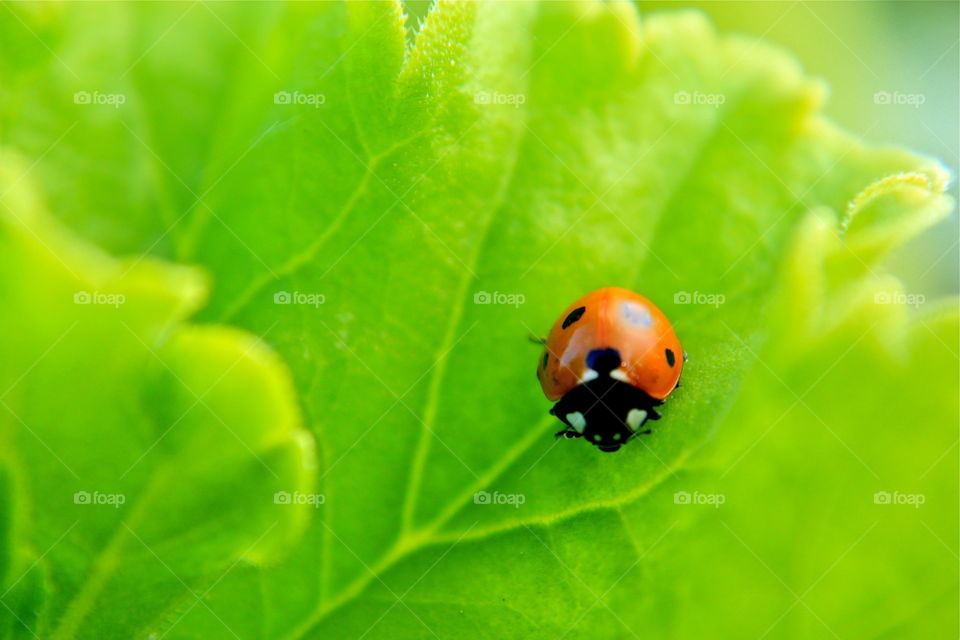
x=670, y=357
x=546, y=357
x=603, y=360
x=573, y=316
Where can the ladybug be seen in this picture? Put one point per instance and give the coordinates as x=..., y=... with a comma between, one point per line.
x=610, y=359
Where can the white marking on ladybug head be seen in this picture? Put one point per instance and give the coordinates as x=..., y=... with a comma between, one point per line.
x=577, y=421
x=597, y=437
x=616, y=436
x=636, y=418
x=620, y=374
x=588, y=376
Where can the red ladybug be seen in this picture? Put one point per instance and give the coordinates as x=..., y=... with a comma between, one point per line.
x=610, y=358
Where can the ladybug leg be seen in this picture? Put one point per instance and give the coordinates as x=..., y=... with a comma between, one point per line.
x=637, y=434
x=570, y=433
x=651, y=415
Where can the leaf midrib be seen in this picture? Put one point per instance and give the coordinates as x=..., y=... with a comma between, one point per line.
x=426, y=536
x=105, y=564
x=432, y=403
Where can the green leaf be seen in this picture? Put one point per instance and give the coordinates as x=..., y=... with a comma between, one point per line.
x=536, y=151
x=180, y=93
x=21, y=575
x=146, y=451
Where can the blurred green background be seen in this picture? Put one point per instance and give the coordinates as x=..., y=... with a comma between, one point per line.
x=859, y=49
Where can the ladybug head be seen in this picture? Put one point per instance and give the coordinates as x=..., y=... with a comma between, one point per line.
x=604, y=411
